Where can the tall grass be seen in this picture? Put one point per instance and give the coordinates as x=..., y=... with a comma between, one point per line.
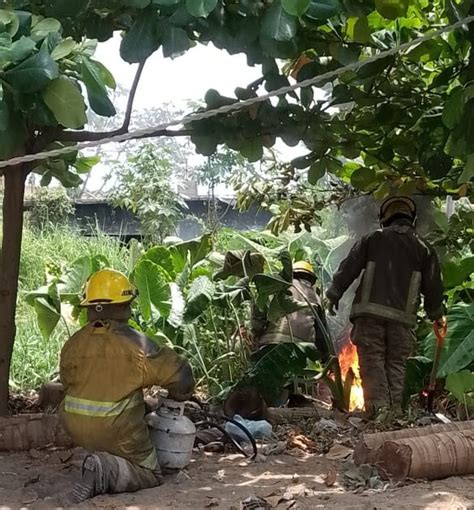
x=36, y=360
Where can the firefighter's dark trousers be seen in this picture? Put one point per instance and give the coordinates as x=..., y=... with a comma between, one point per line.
x=383, y=347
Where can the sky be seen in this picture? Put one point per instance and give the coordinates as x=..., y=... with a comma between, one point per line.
x=178, y=81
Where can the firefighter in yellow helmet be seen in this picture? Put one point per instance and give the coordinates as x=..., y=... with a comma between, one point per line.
x=104, y=368
x=300, y=326
x=397, y=266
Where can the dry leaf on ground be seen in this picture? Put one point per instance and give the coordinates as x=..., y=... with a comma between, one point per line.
x=339, y=452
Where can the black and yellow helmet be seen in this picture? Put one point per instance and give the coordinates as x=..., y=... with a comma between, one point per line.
x=397, y=207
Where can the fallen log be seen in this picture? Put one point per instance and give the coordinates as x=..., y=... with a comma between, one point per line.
x=366, y=449
x=27, y=431
x=279, y=415
x=431, y=457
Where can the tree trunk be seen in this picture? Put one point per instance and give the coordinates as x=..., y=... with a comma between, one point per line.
x=366, y=449
x=434, y=456
x=14, y=192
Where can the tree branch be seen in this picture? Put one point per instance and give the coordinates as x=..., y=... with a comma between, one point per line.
x=90, y=136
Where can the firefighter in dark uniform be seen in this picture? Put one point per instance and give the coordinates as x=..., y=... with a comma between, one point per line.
x=397, y=267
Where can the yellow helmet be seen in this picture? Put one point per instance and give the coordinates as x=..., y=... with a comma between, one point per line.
x=303, y=267
x=108, y=287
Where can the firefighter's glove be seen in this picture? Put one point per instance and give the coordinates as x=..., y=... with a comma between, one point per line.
x=332, y=307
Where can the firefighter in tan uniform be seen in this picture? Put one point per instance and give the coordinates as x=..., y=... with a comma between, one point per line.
x=104, y=368
x=397, y=267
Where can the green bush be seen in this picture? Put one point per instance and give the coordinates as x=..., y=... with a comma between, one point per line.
x=50, y=207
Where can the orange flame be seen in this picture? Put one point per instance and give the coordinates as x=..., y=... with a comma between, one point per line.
x=349, y=359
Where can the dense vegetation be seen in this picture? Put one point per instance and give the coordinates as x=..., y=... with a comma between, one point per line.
x=398, y=124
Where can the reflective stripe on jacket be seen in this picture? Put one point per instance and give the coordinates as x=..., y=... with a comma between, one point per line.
x=103, y=369
x=397, y=267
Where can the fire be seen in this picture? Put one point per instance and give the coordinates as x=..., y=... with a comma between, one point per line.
x=349, y=361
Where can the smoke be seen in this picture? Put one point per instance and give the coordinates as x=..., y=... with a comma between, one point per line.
x=361, y=218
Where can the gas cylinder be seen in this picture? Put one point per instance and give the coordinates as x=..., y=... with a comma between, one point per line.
x=172, y=435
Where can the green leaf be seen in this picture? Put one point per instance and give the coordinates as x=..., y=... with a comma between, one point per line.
x=323, y=9
x=455, y=107
x=10, y=22
x=96, y=91
x=196, y=250
x=316, y=171
x=241, y=264
x=358, y=29
x=4, y=116
x=392, y=9
x=165, y=3
x=268, y=285
x=85, y=164
x=139, y=4
x=252, y=149
x=162, y=257
x=468, y=172
x=43, y=28
x=200, y=297
x=175, y=42
x=200, y=8
x=48, y=316
x=65, y=100
x=154, y=293
x=178, y=305
x=64, y=8
x=458, y=351
x=277, y=24
x=295, y=7
x=363, y=178
x=22, y=49
x=417, y=370
x=14, y=136
x=64, y=49
x=461, y=386
x=105, y=75
x=141, y=40
x=33, y=74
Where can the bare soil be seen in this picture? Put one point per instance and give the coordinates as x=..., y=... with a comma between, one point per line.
x=294, y=480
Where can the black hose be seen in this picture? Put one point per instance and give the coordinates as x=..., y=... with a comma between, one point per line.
x=237, y=424
x=226, y=434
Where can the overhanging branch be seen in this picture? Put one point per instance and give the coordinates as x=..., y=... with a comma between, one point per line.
x=91, y=136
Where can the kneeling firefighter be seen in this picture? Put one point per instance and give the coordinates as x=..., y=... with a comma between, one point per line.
x=103, y=368
x=298, y=327
x=397, y=266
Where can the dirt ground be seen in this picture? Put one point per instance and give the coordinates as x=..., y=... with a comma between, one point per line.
x=291, y=480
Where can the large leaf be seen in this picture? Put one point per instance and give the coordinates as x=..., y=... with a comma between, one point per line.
x=33, y=74
x=458, y=352
x=392, y=9
x=295, y=7
x=278, y=24
x=268, y=285
x=161, y=256
x=323, y=9
x=461, y=386
x=96, y=91
x=154, y=293
x=22, y=49
x=200, y=297
x=200, y=8
x=141, y=40
x=177, y=306
x=196, y=250
x=417, y=370
x=175, y=42
x=65, y=100
x=240, y=264
x=48, y=316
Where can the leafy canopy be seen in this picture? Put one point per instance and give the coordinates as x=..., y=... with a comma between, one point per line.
x=402, y=123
